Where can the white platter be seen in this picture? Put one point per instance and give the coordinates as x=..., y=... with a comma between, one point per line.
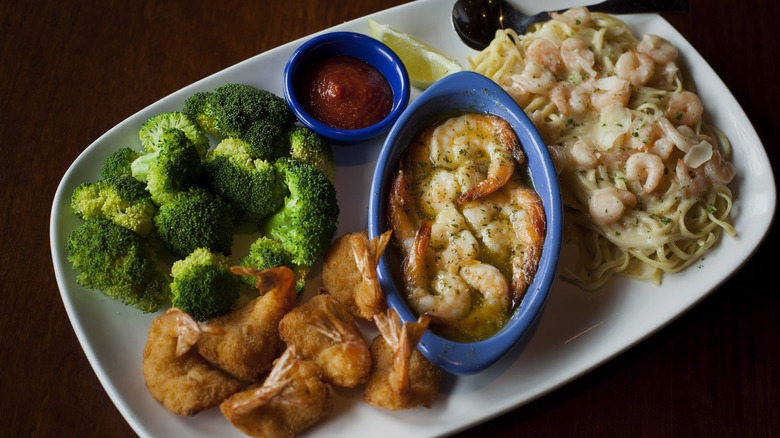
x=578, y=331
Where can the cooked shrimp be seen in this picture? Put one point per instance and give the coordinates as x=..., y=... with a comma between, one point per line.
x=575, y=17
x=324, y=333
x=291, y=399
x=685, y=108
x=697, y=181
x=569, y=98
x=544, y=52
x=528, y=220
x=176, y=375
x=475, y=138
x=401, y=212
x=682, y=136
x=718, y=169
x=610, y=91
x=607, y=205
x=693, y=182
x=635, y=67
x=659, y=49
x=449, y=303
x=349, y=273
x=645, y=166
x=577, y=57
x=535, y=78
x=583, y=153
x=251, y=341
x=488, y=281
x=402, y=378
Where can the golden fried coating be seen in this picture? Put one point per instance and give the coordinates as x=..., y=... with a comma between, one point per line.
x=291, y=399
x=402, y=378
x=185, y=384
x=251, y=341
x=324, y=333
x=349, y=273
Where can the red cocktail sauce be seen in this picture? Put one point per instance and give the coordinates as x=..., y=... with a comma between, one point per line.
x=345, y=93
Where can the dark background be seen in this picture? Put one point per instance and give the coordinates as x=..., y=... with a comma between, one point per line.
x=71, y=70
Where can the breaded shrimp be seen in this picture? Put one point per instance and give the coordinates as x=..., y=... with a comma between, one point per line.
x=402, y=378
x=177, y=376
x=290, y=400
x=251, y=341
x=324, y=333
x=349, y=273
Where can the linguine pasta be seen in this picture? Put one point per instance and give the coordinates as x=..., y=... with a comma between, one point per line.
x=644, y=179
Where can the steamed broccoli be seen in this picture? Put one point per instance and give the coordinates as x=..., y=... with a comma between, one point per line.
x=265, y=141
x=119, y=263
x=122, y=200
x=118, y=163
x=173, y=167
x=253, y=188
x=265, y=253
x=311, y=148
x=256, y=116
x=203, y=285
x=306, y=223
x=153, y=129
x=195, y=219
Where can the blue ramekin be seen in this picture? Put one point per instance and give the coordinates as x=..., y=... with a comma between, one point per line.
x=469, y=92
x=358, y=46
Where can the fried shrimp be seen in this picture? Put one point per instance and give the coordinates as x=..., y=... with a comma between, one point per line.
x=349, y=273
x=324, y=333
x=251, y=341
x=176, y=375
x=290, y=400
x=402, y=378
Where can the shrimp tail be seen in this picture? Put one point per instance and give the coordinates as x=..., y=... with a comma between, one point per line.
x=279, y=281
x=247, y=401
x=402, y=339
x=189, y=331
x=369, y=297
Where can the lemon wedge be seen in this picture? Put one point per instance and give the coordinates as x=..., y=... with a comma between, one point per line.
x=424, y=63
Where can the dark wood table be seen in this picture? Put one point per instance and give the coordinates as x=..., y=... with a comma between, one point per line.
x=71, y=70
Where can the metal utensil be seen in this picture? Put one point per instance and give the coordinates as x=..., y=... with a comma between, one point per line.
x=476, y=21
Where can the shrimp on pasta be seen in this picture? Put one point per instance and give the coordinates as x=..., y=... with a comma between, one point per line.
x=644, y=177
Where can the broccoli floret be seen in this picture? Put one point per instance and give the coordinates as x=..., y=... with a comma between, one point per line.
x=265, y=253
x=253, y=188
x=229, y=110
x=197, y=109
x=174, y=167
x=153, y=129
x=119, y=263
x=195, y=219
x=122, y=200
x=203, y=285
x=306, y=223
x=265, y=141
x=118, y=163
x=311, y=148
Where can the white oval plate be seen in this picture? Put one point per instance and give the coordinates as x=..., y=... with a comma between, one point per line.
x=578, y=331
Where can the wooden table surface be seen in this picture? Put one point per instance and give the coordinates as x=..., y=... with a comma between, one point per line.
x=71, y=70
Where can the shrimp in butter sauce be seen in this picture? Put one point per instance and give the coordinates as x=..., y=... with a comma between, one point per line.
x=469, y=227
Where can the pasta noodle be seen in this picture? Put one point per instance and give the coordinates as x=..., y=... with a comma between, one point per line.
x=644, y=180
